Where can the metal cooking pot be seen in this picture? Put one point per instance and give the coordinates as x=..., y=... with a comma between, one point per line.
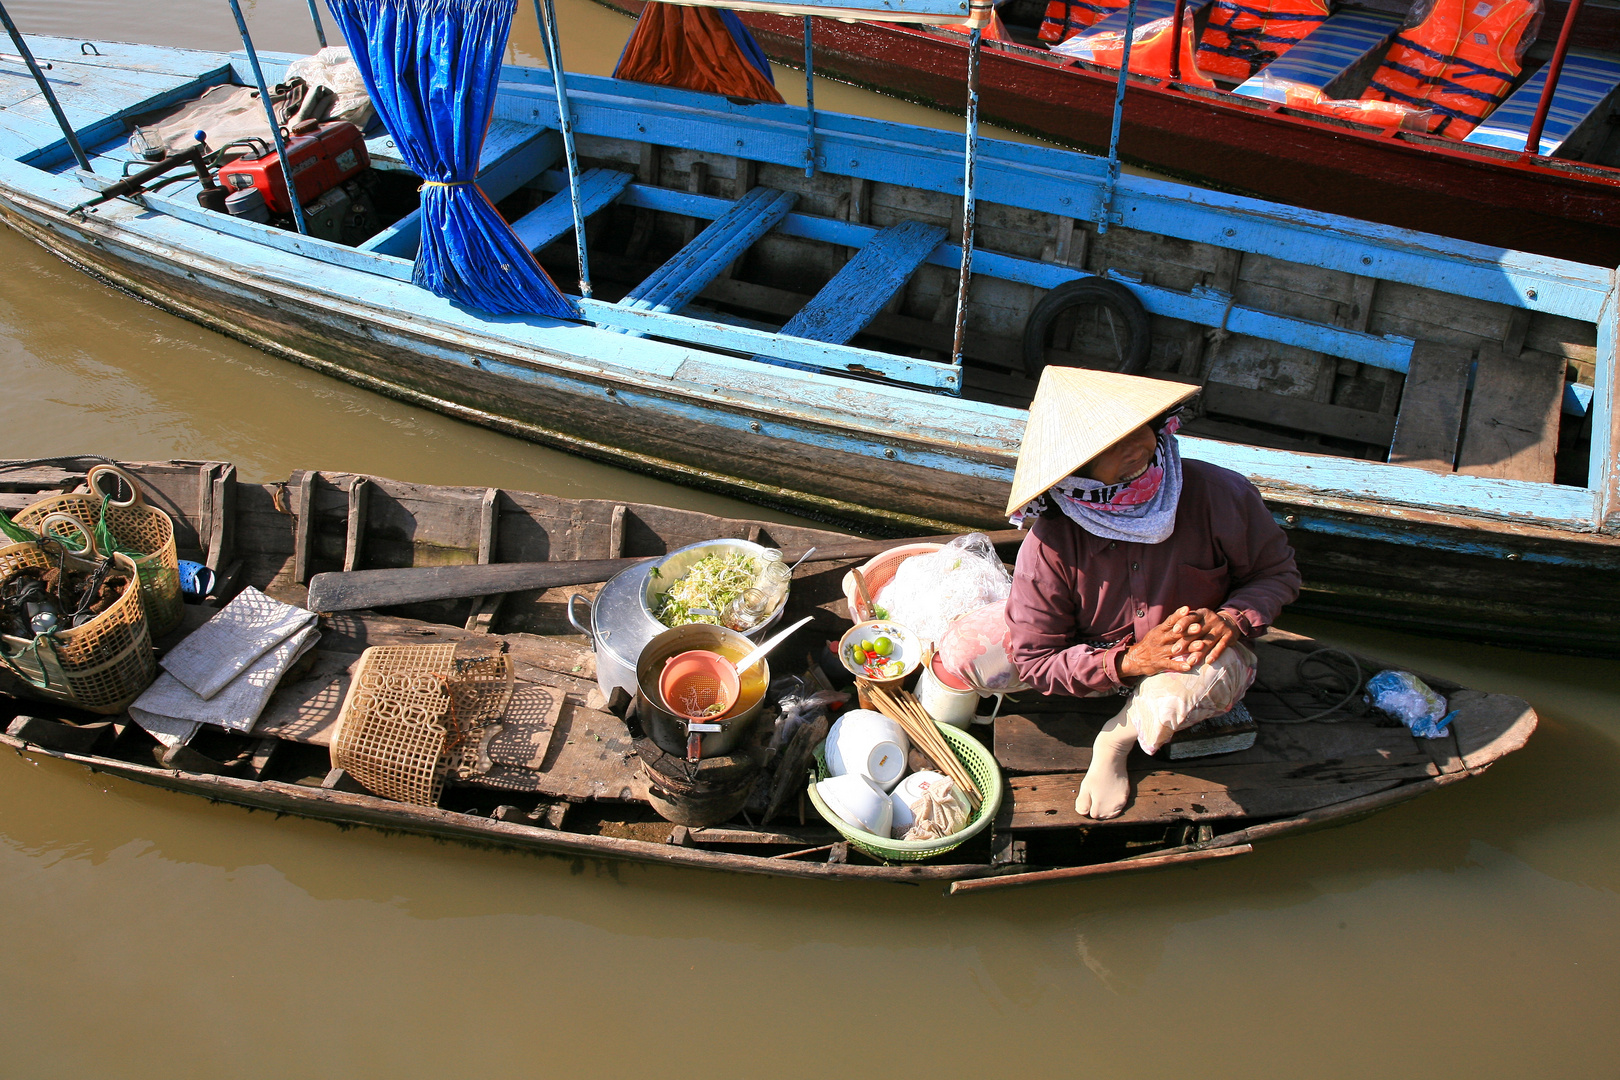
x=619, y=627
x=668, y=730
x=620, y=621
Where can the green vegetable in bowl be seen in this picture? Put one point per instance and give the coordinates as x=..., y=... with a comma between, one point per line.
x=706, y=590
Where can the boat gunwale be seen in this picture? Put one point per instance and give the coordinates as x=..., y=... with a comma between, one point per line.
x=1276, y=471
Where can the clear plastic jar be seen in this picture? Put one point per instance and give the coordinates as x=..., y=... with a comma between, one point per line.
x=774, y=578
x=747, y=611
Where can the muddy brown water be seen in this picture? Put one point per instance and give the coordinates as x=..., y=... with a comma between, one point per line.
x=1473, y=933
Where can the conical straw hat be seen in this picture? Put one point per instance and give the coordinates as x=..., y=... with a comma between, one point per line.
x=1076, y=415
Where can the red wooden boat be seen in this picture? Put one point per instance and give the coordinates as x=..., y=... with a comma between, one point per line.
x=1552, y=205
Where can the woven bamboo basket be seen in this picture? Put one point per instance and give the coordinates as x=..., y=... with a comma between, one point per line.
x=101, y=666
x=137, y=528
x=408, y=712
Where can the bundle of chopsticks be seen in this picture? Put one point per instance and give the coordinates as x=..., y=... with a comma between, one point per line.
x=904, y=709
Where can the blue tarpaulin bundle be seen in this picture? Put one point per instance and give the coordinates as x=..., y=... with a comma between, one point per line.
x=431, y=68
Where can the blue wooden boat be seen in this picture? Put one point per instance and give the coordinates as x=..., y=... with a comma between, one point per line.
x=771, y=316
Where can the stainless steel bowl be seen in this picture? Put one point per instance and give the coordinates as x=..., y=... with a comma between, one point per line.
x=673, y=567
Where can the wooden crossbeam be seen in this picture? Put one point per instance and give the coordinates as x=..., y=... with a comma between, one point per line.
x=555, y=217
x=858, y=292
x=673, y=285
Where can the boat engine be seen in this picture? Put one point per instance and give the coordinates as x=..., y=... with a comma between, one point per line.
x=331, y=172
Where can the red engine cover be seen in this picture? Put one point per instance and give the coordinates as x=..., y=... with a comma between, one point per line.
x=321, y=160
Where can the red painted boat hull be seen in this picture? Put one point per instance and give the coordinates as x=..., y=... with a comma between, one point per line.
x=1518, y=201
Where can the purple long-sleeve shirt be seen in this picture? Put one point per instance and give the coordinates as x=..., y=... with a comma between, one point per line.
x=1073, y=589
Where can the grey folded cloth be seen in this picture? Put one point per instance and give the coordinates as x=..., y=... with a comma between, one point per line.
x=233, y=640
x=227, y=676
x=172, y=712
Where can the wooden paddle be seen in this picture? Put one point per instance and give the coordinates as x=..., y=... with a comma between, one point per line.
x=355, y=589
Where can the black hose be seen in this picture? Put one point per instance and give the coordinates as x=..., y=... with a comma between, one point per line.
x=1322, y=689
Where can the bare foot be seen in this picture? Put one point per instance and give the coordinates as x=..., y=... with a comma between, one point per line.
x=1107, y=788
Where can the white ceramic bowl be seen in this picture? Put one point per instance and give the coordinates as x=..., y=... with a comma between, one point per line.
x=907, y=792
x=858, y=801
x=868, y=744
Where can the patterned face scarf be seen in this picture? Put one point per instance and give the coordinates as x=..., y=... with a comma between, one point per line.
x=1140, y=510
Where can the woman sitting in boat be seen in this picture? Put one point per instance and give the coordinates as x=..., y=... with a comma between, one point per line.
x=1141, y=575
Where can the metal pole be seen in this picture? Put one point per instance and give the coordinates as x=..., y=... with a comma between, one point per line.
x=1555, y=67
x=320, y=31
x=970, y=157
x=45, y=88
x=1175, y=48
x=547, y=15
x=809, y=102
x=1105, y=211
x=270, y=112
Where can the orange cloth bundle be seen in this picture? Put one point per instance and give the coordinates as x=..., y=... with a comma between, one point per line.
x=693, y=49
x=1384, y=114
x=995, y=30
x=1150, y=50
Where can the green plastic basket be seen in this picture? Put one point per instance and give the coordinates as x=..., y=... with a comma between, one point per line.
x=980, y=764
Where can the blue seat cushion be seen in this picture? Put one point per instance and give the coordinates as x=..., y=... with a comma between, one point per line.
x=1328, y=52
x=1587, y=79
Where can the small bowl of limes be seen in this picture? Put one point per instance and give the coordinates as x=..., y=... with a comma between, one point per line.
x=880, y=650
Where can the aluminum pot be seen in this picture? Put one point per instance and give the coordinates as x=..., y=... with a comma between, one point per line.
x=619, y=627
x=668, y=730
x=620, y=621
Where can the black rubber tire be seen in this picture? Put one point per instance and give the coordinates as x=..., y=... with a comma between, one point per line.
x=1132, y=316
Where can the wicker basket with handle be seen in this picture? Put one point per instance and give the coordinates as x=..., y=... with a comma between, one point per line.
x=100, y=666
x=143, y=532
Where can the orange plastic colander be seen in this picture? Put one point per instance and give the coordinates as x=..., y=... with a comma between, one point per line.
x=700, y=684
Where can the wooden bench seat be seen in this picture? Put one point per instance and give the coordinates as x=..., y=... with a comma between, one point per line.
x=865, y=285
x=673, y=285
x=1329, y=51
x=1586, y=82
x=1513, y=412
x=555, y=217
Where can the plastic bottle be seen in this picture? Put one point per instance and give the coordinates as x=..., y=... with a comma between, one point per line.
x=774, y=578
x=747, y=611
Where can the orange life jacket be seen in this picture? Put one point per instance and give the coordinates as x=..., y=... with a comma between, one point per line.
x=1066, y=18
x=994, y=30
x=1243, y=38
x=1459, y=62
x=1384, y=114
x=1150, y=51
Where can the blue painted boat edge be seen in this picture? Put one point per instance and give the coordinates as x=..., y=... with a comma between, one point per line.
x=1604, y=472
x=1499, y=275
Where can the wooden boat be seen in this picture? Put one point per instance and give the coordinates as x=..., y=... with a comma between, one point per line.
x=1434, y=421
x=1558, y=202
x=587, y=796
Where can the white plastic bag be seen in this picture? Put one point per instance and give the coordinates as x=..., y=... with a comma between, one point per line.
x=928, y=591
x=938, y=811
x=333, y=68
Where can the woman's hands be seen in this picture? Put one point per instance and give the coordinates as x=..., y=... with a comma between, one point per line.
x=1189, y=637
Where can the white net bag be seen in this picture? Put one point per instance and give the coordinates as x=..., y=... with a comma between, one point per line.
x=928, y=591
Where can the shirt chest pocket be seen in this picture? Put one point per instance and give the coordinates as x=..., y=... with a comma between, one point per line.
x=1197, y=587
